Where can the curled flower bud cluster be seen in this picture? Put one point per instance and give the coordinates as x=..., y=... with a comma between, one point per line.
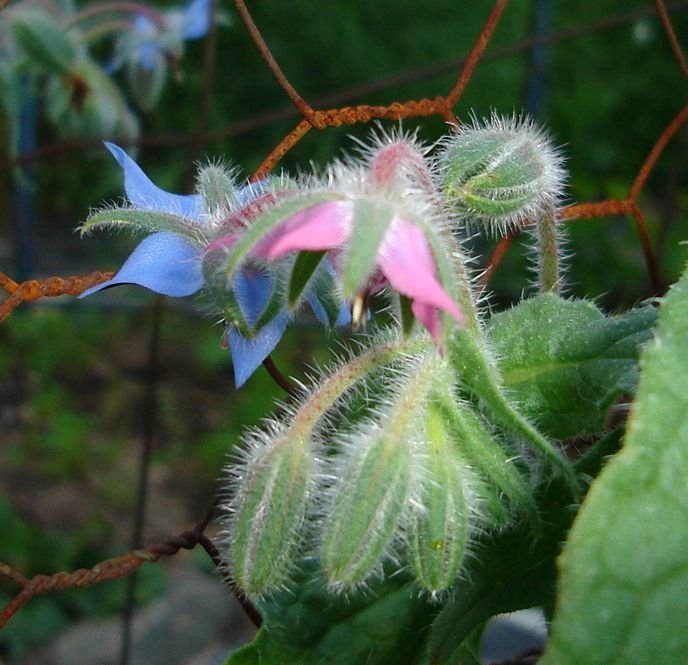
x=410, y=481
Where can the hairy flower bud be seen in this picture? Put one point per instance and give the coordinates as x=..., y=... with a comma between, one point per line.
x=217, y=186
x=501, y=172
x=439, y=527
x=273, y=485
x=375, y=480
x=269, y=513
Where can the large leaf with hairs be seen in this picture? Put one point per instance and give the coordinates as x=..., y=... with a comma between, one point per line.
x=624, y=571
x=307, y=625
x=565, y=363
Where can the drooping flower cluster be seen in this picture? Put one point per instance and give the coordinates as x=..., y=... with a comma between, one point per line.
x=390, y=458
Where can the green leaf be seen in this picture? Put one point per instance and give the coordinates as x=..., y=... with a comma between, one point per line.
x=307, y=625
x=565, y=363
x=370, y=223
x=624, y=571
x=305, y=265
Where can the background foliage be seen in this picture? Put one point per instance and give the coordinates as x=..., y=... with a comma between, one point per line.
x=72, y=377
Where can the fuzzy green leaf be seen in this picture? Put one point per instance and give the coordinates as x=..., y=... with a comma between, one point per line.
x=307, y=625
x=624, y=571
x=565, y=363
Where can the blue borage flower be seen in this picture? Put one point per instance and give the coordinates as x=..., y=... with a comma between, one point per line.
x=147, y=50
x=170, y=264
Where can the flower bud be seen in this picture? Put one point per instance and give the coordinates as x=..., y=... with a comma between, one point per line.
x=270, y=509
x=216, y=185
x=439, y=527
x=367, y=507
x=375, y=481
x=501, y=173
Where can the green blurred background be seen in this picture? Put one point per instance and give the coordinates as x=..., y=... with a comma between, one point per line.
x=73, y=375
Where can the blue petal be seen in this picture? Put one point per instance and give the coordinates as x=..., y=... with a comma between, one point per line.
x=196, y=19
x=343, y=317
x=162, y=262
x=147, y=196
x=248, y=354
x=252, y=290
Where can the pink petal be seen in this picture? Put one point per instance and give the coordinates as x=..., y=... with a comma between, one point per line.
x=407, y=262
x=430, y=319
x=222, y=242
x=322, y=226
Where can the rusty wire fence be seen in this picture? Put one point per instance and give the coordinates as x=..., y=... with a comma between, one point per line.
x=319, y=117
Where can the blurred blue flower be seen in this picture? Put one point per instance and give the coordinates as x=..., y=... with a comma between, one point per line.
x=148, y=48
x=170, y=264
x=190, y=22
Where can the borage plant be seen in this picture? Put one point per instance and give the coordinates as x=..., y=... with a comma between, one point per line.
x=427, y=481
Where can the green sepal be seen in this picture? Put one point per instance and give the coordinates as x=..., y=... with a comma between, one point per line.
x=302, y=270
x=228, y=304
x=479, y=375
x=406, y=314
x=464, y=159
x=508, y=492
x=44, y=41
x=273, y=308
x=367, y=506
x=370, y=223
x=328, y=295
x=148, y=221
x=438, y=532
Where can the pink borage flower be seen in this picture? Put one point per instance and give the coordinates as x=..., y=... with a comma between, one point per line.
x=403, y=258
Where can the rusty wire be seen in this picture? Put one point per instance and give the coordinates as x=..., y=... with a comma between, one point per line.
x=312, y=118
